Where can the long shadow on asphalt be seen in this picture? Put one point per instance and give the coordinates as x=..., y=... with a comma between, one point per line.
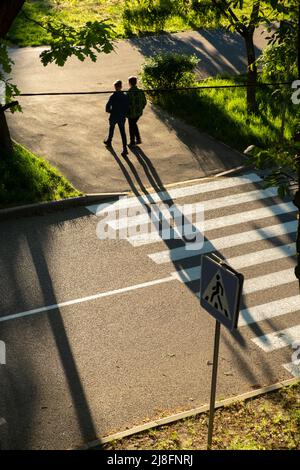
x=18, y=382
x=84, y=416
x=181, y=265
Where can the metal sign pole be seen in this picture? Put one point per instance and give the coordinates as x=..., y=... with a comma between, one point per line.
x=213, y=385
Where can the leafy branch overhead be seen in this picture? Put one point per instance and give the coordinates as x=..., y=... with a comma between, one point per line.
x=6, y=64
x=83, y=42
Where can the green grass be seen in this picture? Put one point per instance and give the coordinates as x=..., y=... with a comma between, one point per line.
x=268, y=422
x=26, y=178
x=222, y=114
x=77, y=12
x=73, y=12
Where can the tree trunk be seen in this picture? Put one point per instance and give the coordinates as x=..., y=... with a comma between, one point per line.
x=252, y=72
x=5, y=140
x=9, y=9
x=298, y=62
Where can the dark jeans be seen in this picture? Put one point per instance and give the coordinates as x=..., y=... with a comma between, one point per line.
x=134, y=130
x=121, y=124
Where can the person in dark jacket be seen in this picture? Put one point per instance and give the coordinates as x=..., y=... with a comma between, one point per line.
x=117, y=107
x=137, y=103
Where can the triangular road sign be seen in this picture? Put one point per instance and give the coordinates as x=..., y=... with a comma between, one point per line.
x=215, y=295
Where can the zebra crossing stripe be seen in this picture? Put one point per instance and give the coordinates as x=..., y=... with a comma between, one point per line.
x=267, y=281
x=293, y=369
x=255, y=284
x=225, y=201
x=242, y=261
x=219, y=222
x=180, y=253
x=213, y=185
x=278, y=339
x=269, y=310
x=263, y=256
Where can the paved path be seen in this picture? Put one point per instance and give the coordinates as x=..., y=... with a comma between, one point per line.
x=69, y=131
x=104, y=334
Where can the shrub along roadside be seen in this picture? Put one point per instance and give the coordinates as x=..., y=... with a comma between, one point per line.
x=26, y=179
x=169, y=70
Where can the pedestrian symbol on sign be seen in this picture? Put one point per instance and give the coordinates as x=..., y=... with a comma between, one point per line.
x=215, y=294
x=221, y=288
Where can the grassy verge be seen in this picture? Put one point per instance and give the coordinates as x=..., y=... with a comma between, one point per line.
x=269, y=422
x=128, y=18
x=222, y=113
x=26, y=179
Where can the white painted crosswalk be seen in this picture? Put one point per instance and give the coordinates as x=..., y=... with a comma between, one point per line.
x=219, y=222
x=177, y=193
x=224, y=242
x=278, y=339
x=273, y=238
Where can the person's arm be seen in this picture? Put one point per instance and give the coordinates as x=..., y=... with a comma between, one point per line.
x=108, y=107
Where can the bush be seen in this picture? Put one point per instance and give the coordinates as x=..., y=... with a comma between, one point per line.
x=169, y=70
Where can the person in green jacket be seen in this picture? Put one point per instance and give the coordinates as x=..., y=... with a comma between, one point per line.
x=137, y=103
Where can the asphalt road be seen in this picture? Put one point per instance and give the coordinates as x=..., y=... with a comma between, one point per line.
x=69, y=130
x=132, y=342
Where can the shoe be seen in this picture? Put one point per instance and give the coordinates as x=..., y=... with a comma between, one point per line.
x=107, y=143
x=124, y=153
x=131, y=144
x=138, y=142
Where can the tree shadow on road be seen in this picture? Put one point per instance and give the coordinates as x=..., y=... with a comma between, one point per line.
x=219, y=51
x=22, y=382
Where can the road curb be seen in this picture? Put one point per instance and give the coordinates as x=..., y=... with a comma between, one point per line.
x=233, y=171
x=41, y=208
x=188, y=414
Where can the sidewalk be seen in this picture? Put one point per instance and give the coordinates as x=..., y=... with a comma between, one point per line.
x=69, y=130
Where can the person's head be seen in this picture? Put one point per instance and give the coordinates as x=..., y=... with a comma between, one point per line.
x=132, y=81
x=118, y=85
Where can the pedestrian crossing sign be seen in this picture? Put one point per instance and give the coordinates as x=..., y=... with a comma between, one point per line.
x=221, y=288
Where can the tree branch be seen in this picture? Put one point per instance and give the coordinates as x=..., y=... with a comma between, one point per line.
x=9, y=105
x=230, y=15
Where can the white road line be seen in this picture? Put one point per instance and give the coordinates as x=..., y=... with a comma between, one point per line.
x=222, y=183
x=251, y=285
x=219, y=222
x=180, y=253
x=293, y=369
x=86, y=299
x=225, y=201
x=278, y=339
x=269, y=310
